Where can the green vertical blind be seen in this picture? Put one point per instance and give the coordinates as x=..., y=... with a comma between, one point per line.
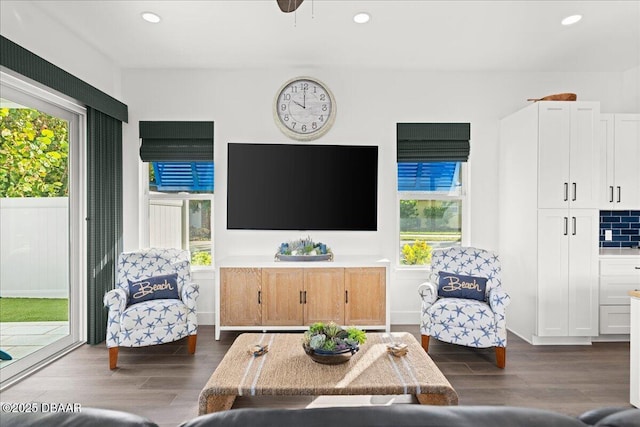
x=104, y=215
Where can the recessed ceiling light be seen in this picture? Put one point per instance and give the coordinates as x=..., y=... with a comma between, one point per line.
x=570, y=20
x=361, y=18
x=151, y=17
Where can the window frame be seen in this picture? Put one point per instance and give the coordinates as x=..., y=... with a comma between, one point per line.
x=181, y=196
x=463, y=197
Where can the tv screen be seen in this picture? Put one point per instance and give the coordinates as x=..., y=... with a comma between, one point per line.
x=302, y=187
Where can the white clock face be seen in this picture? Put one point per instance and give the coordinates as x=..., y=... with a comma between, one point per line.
x=304, y=108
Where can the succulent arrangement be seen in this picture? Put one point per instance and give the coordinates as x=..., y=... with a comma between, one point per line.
x=304, y=246
x=331, y=337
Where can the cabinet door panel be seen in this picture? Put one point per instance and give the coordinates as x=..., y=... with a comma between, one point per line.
x=584, y=168
x=583, y=272
x=365, y=299
x=281, y=296
x=239, y=288
x=553, y=272
x=627, y=159
x=324, y=298
x=553, y=154
x=605, y=139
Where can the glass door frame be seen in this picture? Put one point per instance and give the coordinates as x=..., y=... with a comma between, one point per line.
x=33, y=95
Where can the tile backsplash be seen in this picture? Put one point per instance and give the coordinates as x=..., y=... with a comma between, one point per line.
x=624, y=226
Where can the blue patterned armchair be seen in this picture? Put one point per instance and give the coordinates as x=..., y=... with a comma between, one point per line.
x=154, y=321
x=463, y=321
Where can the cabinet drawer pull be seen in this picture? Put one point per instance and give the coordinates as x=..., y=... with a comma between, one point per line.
x=637, y=268
x=619, y=194
x=566, y=191
x=304, y=301
x=566, y=225
x=259, y=297
x=575, y=191
x=611, y=197
x=573, y=223
x=300, y=297
x=346, y=296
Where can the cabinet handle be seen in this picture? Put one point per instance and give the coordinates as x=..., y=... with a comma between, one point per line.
x=575, y=192
x=346, y=296
x=619, y=191
x=611, y=198
x=566, y=225
x=637, y=268
x=566, y=191
x=300, y=297
x=259, y=297
x=573, y=220
x=305, y=297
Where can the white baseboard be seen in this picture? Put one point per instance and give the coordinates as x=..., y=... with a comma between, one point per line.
x=206, y=318
x=561, y=340
x=405, y=318
x=611, y=338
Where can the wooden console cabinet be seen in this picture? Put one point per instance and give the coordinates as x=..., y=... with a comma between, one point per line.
x=292, y=295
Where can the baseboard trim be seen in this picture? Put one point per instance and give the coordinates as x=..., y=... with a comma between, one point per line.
x=405, y=317
x=536, y=340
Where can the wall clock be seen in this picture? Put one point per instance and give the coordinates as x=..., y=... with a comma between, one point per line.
x=304, y=108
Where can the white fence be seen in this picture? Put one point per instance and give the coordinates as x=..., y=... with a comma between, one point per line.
x=34, y=247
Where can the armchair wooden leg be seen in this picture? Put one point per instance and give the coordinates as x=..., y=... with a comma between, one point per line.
x=425, y=342
x=113, y=357
x=191, y=343
x=501, y=357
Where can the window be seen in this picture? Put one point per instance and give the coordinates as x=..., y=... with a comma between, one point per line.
x=431, y=191
x=41, y=222
x=179, y=157
x=181, y=208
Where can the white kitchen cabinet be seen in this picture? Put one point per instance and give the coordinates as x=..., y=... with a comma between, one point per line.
x=634, y=353
x=618, y=276
x=619, y=139
x=567, y=272
x=568, y=153
x=549, y=220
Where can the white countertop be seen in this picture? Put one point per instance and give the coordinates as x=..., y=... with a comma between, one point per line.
x=338, y=261
x=616, y=252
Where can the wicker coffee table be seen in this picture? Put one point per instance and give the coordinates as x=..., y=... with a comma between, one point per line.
x=286, y=371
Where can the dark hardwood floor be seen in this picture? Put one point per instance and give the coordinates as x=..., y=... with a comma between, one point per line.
x=163, y=382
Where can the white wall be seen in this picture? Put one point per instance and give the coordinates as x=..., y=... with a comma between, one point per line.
x=369, y=104
x=29, y=26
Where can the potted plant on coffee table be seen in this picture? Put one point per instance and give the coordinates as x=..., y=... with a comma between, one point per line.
x=332, y=344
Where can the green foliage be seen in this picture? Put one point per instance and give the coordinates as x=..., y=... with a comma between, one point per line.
x=34, y=149
x=417, y=254
x=332, y=337
x=201, y=258
x=408, y=209
x=357, y=335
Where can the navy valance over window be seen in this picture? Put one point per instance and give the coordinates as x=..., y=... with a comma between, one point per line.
x=176, y=141
x=433, y=142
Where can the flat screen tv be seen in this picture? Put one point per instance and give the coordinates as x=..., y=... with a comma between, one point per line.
x=302, y=187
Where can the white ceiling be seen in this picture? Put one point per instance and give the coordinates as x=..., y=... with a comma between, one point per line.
x=428, y=35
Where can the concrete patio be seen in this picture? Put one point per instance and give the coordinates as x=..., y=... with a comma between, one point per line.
x=20, y=339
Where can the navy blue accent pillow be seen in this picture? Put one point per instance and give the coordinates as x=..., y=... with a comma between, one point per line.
x=451, y=285
x=157, y=287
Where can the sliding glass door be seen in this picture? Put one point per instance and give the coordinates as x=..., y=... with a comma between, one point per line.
x=41, y=224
